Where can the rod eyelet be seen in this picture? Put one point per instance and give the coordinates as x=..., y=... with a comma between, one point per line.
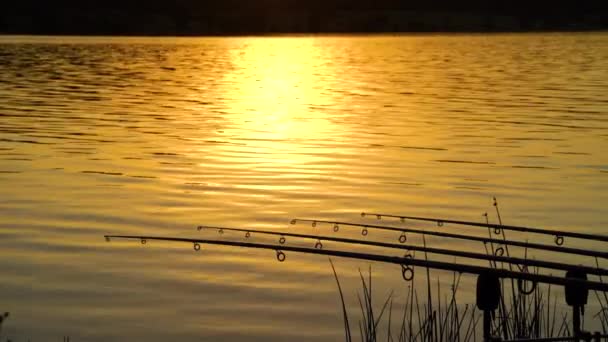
x=559, y=240
x=197, y=247
x=522, y=288
x=336, y=228
x=407, y=273
x=402, y=238
x=280, y=256
x=319, y=245
x=364, y=232
x=282, y=240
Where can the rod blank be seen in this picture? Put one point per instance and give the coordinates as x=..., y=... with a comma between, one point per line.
x=569, y=250
x=441, y=221
x=404, y=261
x=464, y=254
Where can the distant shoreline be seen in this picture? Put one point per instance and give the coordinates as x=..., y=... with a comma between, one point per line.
x=195, y=21
x=299, y=34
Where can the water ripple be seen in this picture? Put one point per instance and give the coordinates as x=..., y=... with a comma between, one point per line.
x=157, y=135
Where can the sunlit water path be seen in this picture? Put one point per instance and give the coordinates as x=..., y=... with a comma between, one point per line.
x=158, y=135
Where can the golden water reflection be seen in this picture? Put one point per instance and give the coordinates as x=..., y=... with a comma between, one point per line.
x=272, y=86
x=148, y=136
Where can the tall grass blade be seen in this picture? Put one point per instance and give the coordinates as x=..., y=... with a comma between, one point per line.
x=344, y=312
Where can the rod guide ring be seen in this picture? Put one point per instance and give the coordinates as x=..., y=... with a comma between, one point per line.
x=280, y=256
x=407, y=273
x=522, y=288
x=319, y=245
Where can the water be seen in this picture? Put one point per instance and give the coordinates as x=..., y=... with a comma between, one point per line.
x=158, y=135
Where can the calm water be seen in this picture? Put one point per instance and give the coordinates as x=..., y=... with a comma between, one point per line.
x=157, y=136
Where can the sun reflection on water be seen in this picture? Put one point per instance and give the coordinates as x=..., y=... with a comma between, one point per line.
x=276, y=85
x=269, y=96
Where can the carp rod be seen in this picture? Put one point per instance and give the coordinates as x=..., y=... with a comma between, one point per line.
x=405, y=262
x=471, y=255
x=559, y=235
x=364, y=232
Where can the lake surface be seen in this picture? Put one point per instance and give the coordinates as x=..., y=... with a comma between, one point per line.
x=158, y=135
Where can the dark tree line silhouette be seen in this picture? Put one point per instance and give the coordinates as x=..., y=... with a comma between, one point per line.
x=205, y=17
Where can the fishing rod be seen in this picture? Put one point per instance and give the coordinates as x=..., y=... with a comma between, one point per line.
x=500, y=251
x=559, y=235
x=402, y=240
x=405, y=262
